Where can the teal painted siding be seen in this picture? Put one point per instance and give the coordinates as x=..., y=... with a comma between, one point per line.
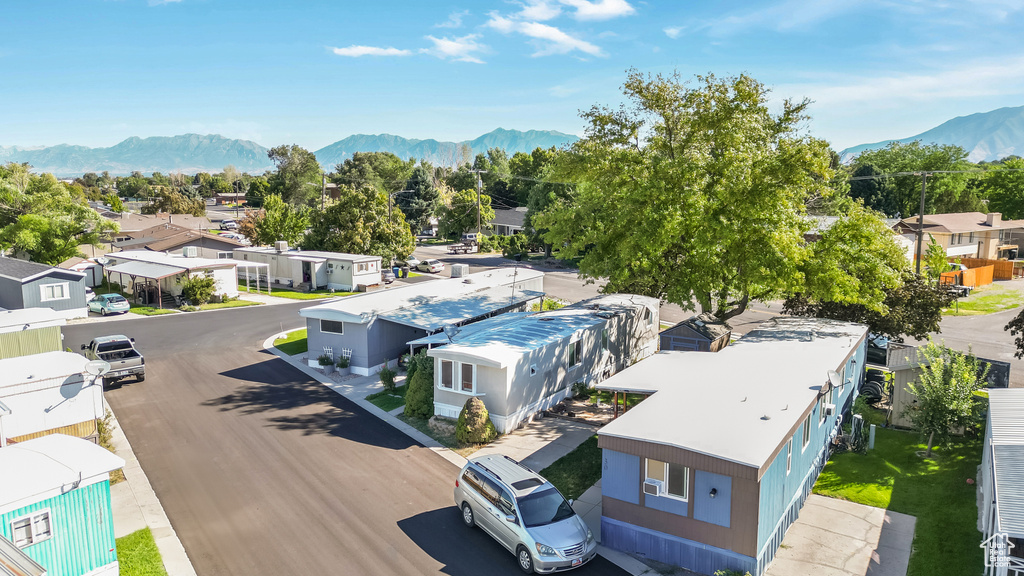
x=717, y=510
x=781, y=494
x=620, y=476
x=83, y=531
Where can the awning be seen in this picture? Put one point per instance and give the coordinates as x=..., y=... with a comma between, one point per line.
x=146, y=270
x=1007, y=247
x=15, y=562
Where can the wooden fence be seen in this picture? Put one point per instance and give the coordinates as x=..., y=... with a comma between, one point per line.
x=1003, y=269
x=973, y=277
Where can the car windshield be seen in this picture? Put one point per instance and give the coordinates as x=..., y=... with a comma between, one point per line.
x=544, y=507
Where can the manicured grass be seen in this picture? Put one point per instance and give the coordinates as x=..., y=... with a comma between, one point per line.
x=935, y=490
x=577, y=471
x=296, y=295
x=986, y=300
x=151, y=311
x=294, y=343
x=388, y=402
x=229, y=304
x=137, y=555
x=606, y=397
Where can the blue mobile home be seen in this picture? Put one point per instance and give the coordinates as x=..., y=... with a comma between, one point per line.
x=710, y=472
x=25, y=284
x=55, y=506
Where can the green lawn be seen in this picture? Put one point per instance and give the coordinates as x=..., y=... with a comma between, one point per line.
x=295, y=294
x=388, y=402
x=151, y=311
x=137, y=555
x=229, y=304
x=935, y=490
x=606, y=397
x=986, y=300
x=577, y=471
x=294, y=343
x=446, y=440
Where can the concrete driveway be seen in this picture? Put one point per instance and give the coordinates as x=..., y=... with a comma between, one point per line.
x=839, y=538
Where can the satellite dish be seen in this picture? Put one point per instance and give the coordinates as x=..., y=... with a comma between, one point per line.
x=97, y=367
x=835, y=379
x=103, y=261
x=450, y=330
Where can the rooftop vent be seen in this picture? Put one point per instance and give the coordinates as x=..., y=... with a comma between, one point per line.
x=281, y=245
x=766, y=417
x=469, y=281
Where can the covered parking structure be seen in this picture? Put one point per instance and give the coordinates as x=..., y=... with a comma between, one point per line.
x=162, y=275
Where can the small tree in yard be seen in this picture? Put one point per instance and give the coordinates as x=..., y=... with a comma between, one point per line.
x=198, y=289
x=419, y=398
x=475, y=426
x=945, y=392
x=387, y=378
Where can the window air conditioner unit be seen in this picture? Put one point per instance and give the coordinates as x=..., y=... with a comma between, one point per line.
x=830, y=409
x=653, y=487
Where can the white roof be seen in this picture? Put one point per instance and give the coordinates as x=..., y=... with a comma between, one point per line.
x=1006, y=414
x=36, y=367
x=54, y=462
x=431, y=316
x=503, y=343
x=364, y=308
x=176, y=260
x=738, y=404
x=316, y=255
x=27, y=318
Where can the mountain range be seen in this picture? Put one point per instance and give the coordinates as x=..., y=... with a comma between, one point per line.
x=986, y=136
x=191, y=153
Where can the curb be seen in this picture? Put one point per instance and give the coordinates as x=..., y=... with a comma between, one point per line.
x=172, y=552
x=620, y=559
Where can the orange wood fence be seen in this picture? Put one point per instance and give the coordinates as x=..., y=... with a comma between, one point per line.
x=1003, y=269
x=973, y=277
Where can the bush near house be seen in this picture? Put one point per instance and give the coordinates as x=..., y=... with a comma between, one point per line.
x=475, y=426
x=419, y=400
x=198, y=289
x=387, y=378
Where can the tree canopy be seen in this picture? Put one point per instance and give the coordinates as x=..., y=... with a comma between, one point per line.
x=357, y=222
x=1004, y=186
x=460, y=216
x=297, y=179
x=945, y=392
x=277, y=220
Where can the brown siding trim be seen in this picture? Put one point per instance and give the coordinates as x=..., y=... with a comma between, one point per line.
x=689, y=458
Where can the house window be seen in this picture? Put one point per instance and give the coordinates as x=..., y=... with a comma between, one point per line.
x=225, y=255
x=575, y=352
x=29, y=530
x=54, y=291
x=447, y=371
x=533, y=369
x=468, y=380
x=789, y=456
x=807, y=431
x=332, y=326
x=674, y=478
x=604, y=340
x=970, y=238
x=648, y=316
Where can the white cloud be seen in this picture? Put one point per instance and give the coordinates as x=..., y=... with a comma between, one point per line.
x=462, y=49
x=673, y=32
x=600, y=9
x=454, y=20
x=539, y=10
x=549, y=40
x=357, y=51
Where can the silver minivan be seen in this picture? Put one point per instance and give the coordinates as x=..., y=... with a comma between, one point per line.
x=524, y=513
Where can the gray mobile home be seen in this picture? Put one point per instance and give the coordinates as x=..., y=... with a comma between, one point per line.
x=25, y=284
x=525, y=363
x=375, y=328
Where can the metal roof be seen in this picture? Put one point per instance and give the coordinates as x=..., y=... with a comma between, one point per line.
x=515, y=217
x=1006, y=418
x=38, y=367
x=739, y=404
x=432, y=316
x=146, y=270
x=178, y=261
x=1006, y=411
x=23, y=270
x=14, y=562
x=439, y=338
x=27, y=318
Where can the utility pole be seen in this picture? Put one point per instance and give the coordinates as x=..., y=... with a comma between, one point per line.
x=920, y=221
x=479, y=190
x=323, y=191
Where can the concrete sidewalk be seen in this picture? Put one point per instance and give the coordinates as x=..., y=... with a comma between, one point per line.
x=136, y=506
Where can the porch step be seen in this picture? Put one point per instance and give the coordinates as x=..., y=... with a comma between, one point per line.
x=168, y=301
x=303, y=287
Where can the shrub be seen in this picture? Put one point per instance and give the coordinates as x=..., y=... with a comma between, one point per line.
x=324, y=360
x=730, y=573
x=580, y=390
x=343, y=362
x=387, y=378
x=475, y=426
x=419, y=400
x=198, y=289
x=515, y=244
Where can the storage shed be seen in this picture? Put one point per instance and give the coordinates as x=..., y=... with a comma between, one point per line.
x=701, y=333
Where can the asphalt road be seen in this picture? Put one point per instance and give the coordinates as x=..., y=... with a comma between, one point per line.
x=265, y=472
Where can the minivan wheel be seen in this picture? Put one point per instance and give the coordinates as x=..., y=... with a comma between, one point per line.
x=467, y=515
x=525, y=560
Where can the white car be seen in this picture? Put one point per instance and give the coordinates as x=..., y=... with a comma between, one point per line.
x=430, y=266
x=412, y=262
x=228, y=224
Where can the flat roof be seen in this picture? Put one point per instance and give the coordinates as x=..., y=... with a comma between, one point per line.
x=739, y=404
x=464, y=331
x=27, y=318
x=364, y=308
x=434, y=315
x=178, y=261
x=146, y=269
x=44, y=366
x=52, y=462
x=503, y=343
x=1005, y=409
x=292, y=252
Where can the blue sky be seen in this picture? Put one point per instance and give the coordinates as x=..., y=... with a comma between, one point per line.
x=94, y=72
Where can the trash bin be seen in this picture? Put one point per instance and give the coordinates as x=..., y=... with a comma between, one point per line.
x=396, y=271
x=405, y=272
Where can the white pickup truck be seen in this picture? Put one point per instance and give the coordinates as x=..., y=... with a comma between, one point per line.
x=118, y=351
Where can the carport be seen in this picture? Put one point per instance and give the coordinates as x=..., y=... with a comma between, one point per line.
x=257, y=265
x=152, y=273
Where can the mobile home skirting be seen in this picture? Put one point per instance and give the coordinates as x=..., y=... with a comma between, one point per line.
x=672, y=549
x=509, y=422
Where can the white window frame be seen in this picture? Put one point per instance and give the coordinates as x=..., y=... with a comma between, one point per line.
x=332, y=331
x=575, y=344
x=472, y=389
x=33, y=519
x=604, y=339
x=806, y=438
x=666, y=494
x=789, y=456
x=64, y=289
x=440, y=375
x=457, y=377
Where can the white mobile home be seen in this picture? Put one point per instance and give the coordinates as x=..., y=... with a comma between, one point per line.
x=314, y=269
x=47, y=393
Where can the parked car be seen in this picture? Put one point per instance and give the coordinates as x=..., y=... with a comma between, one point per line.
x=387, y=275
x=430, y=266
x=119, y=351
x=109, y=304
x=411, y=262
x=228, y=224
x=525, y=513
x=878, y=349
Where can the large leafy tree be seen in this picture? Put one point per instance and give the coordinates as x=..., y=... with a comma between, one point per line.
x=1016, y=328
x=175, y=202
x=945, y=392
x=358, y=223
x=695, y=195
x=382, y=171
x=278, y=220
x=42, y=219
x=1004, y=186
x=460, y=216
x=421, y=200
x=297, y=179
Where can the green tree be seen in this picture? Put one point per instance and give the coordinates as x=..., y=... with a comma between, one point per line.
x=279, y=221
x=935, y=260
x=258, y=189
x=1004, y=186
x=134, y=187
x=198, y=289
x=474, y=425
x=382, y=171
x=691, y=194
x=358, y=223
x=461, y=215
x=298, y=176
x=174, y=202
x=945, y=392
x=419, y=398
x=421, y=201
x=116, y=205
x=1016, y=328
